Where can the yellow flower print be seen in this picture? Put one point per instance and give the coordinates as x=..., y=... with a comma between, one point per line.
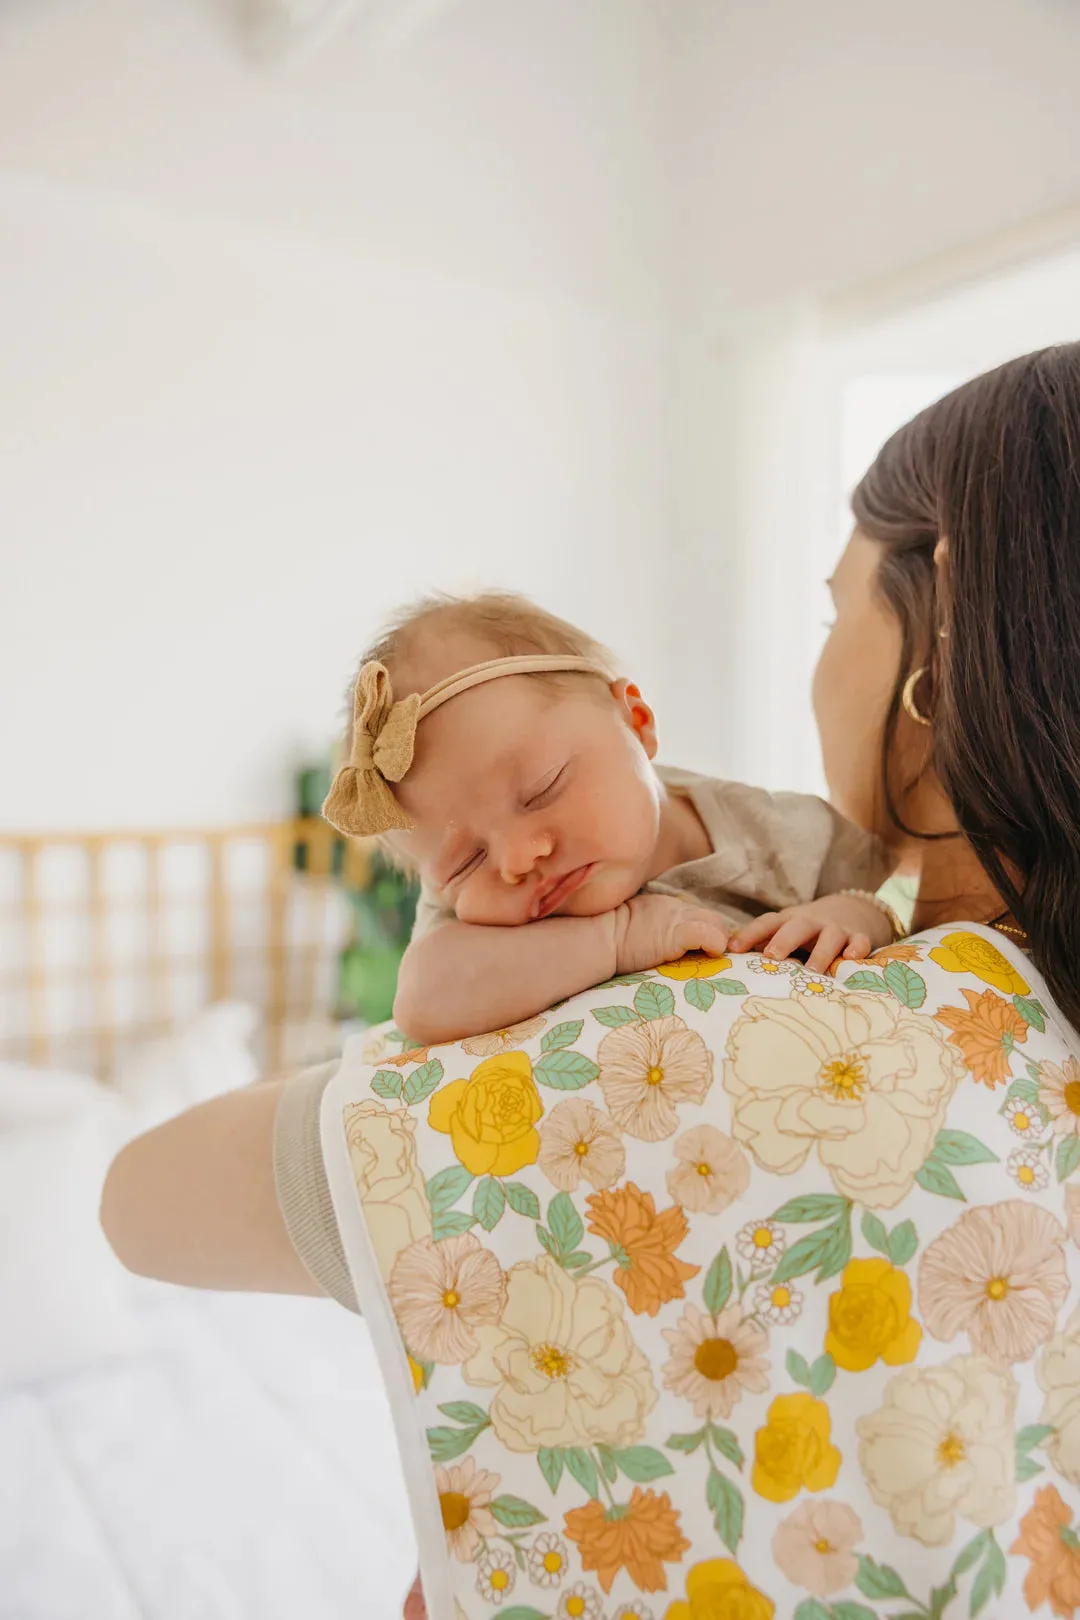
x=970, y=953
x=718, y=1590
x=870, y=1317
x=794, y=1450
x=491, y=1117
x=695, y=965
x=417, y=1374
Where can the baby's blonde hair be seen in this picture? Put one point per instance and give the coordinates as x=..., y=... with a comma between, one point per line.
x=505, y=624
x=508, y=624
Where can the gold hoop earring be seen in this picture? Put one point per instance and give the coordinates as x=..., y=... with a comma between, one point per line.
x=907, y=697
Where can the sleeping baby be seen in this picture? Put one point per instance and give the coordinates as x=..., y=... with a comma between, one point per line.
x=499, y=755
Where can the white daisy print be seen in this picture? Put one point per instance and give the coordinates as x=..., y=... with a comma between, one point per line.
x=761, y=1242
x=547, y=1559
x=811, y=984
x=1024, y=1118
x=632, y=1611
x=1028, y=1169
x=778, y=1302
x=579, y=1603
x=765, y=964
x=495, y=1575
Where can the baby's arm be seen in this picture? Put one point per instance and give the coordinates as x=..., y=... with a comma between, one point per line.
x=462, y=979
x=849, y=925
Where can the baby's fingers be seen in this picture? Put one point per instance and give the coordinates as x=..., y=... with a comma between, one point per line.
x=858, y=948
x=755, y=933
x=704, y=932
x=791, y=934
x=830, y=943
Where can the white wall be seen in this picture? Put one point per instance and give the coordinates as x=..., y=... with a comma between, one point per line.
x=228, y=447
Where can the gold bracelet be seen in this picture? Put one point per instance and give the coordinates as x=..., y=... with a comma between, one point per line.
x=899, y=931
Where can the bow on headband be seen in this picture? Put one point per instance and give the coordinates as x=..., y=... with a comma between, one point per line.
x=360, y=802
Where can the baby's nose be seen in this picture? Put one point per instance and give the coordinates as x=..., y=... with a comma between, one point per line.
x=520, y=855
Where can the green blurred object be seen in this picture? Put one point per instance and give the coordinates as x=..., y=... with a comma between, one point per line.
x=383, y=910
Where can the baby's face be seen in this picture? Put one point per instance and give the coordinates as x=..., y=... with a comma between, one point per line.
x=530, y=801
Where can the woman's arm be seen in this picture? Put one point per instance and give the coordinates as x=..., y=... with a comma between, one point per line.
x=193, y=1201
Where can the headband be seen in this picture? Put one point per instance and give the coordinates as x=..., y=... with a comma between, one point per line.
x=361, y=801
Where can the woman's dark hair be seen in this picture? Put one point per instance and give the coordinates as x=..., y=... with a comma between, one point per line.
x=994, y=469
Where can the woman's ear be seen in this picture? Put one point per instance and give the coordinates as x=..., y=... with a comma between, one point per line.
x=637, y=714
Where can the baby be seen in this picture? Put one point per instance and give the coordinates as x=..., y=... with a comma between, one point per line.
x=498, y=754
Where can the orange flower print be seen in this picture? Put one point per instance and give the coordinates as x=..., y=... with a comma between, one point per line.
x=647, y=1271
x=641, y=1540
x=986, y=1032
x=895, y=953
x=1049, y=1540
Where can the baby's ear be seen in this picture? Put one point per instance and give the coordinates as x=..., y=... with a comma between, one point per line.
x=637, y=714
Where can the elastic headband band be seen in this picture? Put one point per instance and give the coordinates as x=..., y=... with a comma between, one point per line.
x=361, y=801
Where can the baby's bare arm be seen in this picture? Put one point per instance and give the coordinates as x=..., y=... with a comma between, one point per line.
x=462, y=979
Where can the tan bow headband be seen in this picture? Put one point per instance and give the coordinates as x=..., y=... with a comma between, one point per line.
x=360, y=802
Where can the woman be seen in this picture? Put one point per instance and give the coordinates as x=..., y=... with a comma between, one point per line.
x=957, y=603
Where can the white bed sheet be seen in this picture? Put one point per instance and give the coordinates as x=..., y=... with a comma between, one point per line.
x=241, y=1467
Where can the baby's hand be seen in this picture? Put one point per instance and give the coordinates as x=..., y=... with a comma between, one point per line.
x=656, y=928
x=836, y=925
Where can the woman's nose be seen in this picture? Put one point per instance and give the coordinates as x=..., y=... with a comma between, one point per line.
x=520, y=853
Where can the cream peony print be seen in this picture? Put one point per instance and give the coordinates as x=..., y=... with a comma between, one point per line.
x=579, y=1143
x=442, y=1293
x=562, y=1362
x=1058, y=1373
x=999, y=1275
x=710, y=1171
x=941, y=1447
x=647, y=1069
x=382, y=1152
x=860, y=1079
x=1072, y=1211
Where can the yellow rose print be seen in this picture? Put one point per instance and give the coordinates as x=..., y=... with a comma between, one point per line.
x=870, y=1318
x=417, y=1374
x=970, y=953
x=718, y=1590
x=794, y=1450
x=491, y=1117
x=695, y=966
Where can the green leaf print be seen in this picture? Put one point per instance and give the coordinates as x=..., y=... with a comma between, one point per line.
x=451, y=1223
x=447, y=1444
x=514, y=1513
x=878, y=1580
x=726, y=1503
x=729, y=987
x=990, y=1581
x=726, y=1444
x=848, y=1610
x=811, y=1609
x=565, y=1223
x=642, y=1463
x=446, y=1187
x=522, y=1199
x=1032, y=1012
x=937, y=1179
x=798, y=1368
x=615, y=1017
x=812, y=1207
x=701, y=994
x=562, y=1035
x=907, y=986
x=1026, y=1440
x=827, y=1251
x=551, y=1460
x=565, y=1071
x=465, y=1412
x=822, y=1375
x=387, y=1084
x=523, y=1611
x=969, y=1555
x=654, y=1001
x=489, y=1201
x=581, y=1466
x=1068, y=1156
x=609, y=1467
x=867, y=981
x=1024, y=1089
x=957, y=1147
x=423, y=1081
x=717, y=1289
x=873, y=1230
x=903, y=1242
x=686, y=1443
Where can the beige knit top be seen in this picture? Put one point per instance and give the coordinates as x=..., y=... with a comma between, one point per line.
x=769, y=850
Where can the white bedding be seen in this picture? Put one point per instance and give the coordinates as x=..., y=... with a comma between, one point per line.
x=228, y=1471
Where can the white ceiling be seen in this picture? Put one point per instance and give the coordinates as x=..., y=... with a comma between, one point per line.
x=638, y=155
